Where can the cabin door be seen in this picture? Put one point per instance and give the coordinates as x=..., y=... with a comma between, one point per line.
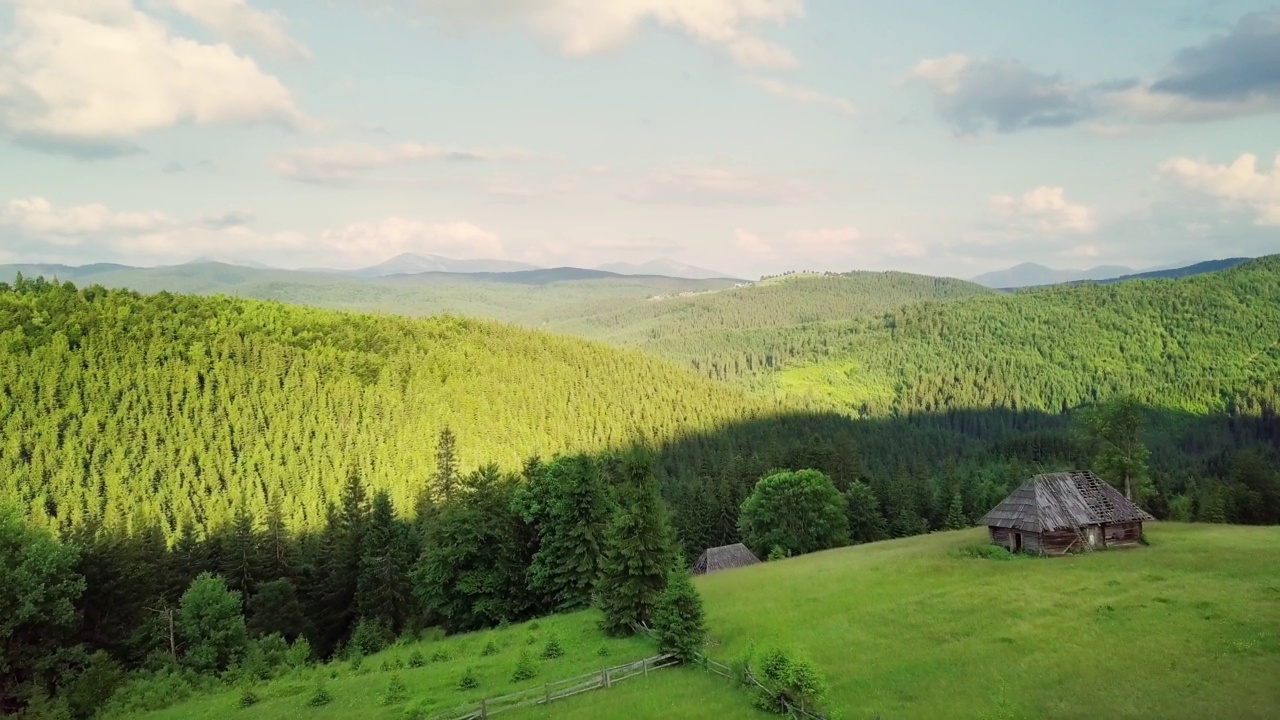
x=1093, y=536
x=1017, y=542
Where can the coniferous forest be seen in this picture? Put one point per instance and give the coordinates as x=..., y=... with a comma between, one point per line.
x=170, y=463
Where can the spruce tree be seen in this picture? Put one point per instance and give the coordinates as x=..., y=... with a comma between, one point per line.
x=678, y=617
x=571, y=506
x=866, y=523
x=639, y=552
x=956, y=519
x=383, y=592
x=446, y=477
x=241, y=561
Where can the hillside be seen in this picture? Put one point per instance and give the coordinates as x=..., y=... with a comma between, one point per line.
x=1033, y=274
x=918, y=628
x=182, y=407
x=773, y=303
x=1199, y=344
x=521, y=296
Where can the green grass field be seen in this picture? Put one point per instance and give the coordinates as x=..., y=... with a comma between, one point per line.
x=917, y=628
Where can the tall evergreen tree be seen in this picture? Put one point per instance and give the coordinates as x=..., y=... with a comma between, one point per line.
x=956, y=519
x=1122, y=457
x=678, y=617
x=446, y=477
x=866, y=523
x=241, y=561
x=383, y=591
x=570, y=504
x=639, y=550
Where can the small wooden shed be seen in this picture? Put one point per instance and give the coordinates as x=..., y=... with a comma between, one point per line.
x=1058, y=512
x=724, y=558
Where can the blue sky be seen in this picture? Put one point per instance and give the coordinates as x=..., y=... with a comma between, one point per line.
x=749, y=136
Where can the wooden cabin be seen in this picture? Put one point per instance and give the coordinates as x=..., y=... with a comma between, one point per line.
x=1056, y=513
x=724, y=558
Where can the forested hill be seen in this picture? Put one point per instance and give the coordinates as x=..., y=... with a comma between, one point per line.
x=777, y=302
x=1209, y=343
x=181, y=408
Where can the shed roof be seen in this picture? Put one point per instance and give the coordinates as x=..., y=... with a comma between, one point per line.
x=723, y=558
x=1062, y=501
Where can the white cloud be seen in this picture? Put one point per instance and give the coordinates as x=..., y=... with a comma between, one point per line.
x=1043, y=210
x=1142, y=103
x=38, y=228
x=235, y=21
x=975, y=95
x=368, y=243
x=804, y=96
x=825, y=239
x=1239, y=184
x=344, y=164
x=695, y=185
x=591, y=27
x=81, y=76
x=750, y=243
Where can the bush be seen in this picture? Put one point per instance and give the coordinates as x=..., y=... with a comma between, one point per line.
x=603, y=651
x=990, y=552
x=94, y=685
x=299, y=654
x=792, y=682
x=553, y=649
x=417, y=659
x=247, y=699
x=490, y=648
x=777, y=552
x=370, y=636
x=397, y=692
x=526, y=668
x=320, y=697
x=356, y=659
x=418, y=710
x=531, y=639
x=147, y=692
x=469, y=680
x=440, y=655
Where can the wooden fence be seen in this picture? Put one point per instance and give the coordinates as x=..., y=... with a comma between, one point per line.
x=558, y=690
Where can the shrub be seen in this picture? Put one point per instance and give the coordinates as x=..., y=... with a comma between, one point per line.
x=94, y=686
x=384, y=667
x=370, y=636
x=531, y=639
x=790, y=683
x=418, y=710
x=397, y=692
x=320, y=697
x=553, y=649
x=490, y=648
x=469, y=680
x=526, y=668
x=417, y=659
x=299, y=654
x=603, y=651
x=247, y=699
x=150, y=691
x=356, y=659
x=440, y=655
x=990, y=552
x=777, y=552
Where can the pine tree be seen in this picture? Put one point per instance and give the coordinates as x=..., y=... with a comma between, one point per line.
x=866, y=523
x=241, y=562
x=383, y=592
x=570, y=504
x=956, y=519
x=446, y=477
x=678, y=617
x=639, y=552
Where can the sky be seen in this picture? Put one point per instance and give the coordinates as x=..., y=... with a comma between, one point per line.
x=747, y=136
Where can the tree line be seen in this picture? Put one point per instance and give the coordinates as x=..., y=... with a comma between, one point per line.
x=478, y=550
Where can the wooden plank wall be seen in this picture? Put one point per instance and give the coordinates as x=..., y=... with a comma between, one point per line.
x=1123, y=534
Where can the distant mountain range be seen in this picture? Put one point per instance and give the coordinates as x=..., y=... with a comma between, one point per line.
x=1033, y=275
x=413, y=263
x=665, y=268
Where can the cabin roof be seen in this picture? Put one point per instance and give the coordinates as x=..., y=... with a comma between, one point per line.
x=1063, y=501
x=724, y=558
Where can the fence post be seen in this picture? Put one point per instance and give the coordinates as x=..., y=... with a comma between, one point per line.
x=604, y=675
x=646, y=666
x=547, y=688
x=484, y=708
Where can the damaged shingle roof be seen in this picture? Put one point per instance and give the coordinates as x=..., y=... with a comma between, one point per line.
x=1062, y=501
x=723, y=558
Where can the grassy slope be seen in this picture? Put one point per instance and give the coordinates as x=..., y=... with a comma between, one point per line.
x=1186, y=628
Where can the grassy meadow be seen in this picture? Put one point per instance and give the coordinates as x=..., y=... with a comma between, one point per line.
x=1188, y=627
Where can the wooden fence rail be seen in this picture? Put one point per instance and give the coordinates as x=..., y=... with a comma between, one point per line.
x=558, y=689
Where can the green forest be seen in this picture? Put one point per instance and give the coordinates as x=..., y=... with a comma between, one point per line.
x=346, y=477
